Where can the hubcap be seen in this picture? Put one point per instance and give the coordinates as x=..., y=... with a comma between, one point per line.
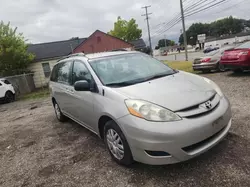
x=57, y=110
x=115, y=144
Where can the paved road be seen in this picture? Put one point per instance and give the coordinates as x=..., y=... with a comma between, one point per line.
x=181, y=56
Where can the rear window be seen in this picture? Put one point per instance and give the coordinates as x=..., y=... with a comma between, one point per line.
x=244, y=46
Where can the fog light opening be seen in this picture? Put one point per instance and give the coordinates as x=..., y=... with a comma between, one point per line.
x=157, y=153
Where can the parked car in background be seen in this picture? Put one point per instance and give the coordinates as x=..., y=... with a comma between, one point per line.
x=7, y=92
x=237, y=59
x=210, y=61
x=142, y=109
x=210, y=49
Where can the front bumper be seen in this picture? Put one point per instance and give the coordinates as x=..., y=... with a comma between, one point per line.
x=182, y=140
x=205, y=66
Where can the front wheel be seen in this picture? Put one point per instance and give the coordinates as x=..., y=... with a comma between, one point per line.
x=117, y=144
x=9, y=97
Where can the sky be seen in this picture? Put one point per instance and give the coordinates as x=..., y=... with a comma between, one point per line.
x=54, y=20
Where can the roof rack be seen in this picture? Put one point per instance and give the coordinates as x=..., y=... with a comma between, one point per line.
x=71, y=55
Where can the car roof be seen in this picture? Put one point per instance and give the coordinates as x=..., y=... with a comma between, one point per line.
x=95, y=55
x=108, y=54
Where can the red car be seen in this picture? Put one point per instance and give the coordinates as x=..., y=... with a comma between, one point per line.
x=237, y=59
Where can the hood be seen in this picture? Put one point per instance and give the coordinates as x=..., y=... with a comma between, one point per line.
x=175, y=92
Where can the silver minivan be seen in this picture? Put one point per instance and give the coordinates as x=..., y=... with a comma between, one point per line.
x=142, y=109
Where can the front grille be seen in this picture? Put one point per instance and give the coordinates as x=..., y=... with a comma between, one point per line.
x=196, y=106
x=198, y=145
x=203, y=113
x=200, y=109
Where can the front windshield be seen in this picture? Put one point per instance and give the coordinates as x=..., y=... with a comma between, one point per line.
x=129, y=68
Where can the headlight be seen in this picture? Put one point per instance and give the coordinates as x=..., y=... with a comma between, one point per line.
x=149, y=111
x=215, y=86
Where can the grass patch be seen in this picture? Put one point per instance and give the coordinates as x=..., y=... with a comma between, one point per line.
x=181, y=65
x=37, y=94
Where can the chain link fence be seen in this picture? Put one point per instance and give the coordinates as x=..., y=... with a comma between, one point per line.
x=29, y=82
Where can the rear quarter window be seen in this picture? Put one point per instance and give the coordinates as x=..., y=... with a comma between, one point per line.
x=54, y=74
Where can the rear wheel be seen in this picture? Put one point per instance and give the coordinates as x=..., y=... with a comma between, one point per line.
x=238, y=71
x=221, y=67
x=117, y=144
x=58, y=112
x=9, y=97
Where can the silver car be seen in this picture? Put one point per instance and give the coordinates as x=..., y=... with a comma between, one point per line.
x=142, y=109
x=210, y=61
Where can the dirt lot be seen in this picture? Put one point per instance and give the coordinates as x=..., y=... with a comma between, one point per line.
x=37, y=150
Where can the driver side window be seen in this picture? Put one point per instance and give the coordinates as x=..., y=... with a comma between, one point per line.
x=80, y=72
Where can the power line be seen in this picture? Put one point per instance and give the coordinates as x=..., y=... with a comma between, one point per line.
x=230, y=7
x=195, y=5
x=147, y=18
x=177, y=17
x=192, y=13
x=206, y=8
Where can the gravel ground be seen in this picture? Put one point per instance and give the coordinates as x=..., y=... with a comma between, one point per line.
x=37, y=150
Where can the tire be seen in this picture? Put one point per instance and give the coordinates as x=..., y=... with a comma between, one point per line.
x=238, y=71
x=221, y=67
x=117, y=146
x=9, y=97
x=58, y=112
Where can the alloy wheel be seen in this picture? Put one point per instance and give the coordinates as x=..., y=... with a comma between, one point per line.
x=115, y=144
x=57, y=110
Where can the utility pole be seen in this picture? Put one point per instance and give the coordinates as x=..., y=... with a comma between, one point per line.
x=184, y=30
x=165, y=40
x=149, y=37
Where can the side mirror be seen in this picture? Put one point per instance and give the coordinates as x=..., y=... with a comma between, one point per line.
x=82, y=86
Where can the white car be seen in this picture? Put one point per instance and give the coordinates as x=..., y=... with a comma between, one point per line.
x=7, y=92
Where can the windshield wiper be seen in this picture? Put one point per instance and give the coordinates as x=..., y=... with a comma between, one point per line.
x=120, y=84
x=158, y=76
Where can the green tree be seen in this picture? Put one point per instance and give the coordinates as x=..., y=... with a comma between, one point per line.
x=165, y=42
x=217, y=28
x=14, y=57
x=126, y=30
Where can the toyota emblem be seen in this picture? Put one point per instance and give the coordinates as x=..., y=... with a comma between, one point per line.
x=208, y=104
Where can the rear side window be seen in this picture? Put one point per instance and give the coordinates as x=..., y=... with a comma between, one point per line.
x=54, y=74
x=6, y=82
x=62, y=73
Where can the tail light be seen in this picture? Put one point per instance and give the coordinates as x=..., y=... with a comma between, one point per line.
x=206, y=60
x=243, y=53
